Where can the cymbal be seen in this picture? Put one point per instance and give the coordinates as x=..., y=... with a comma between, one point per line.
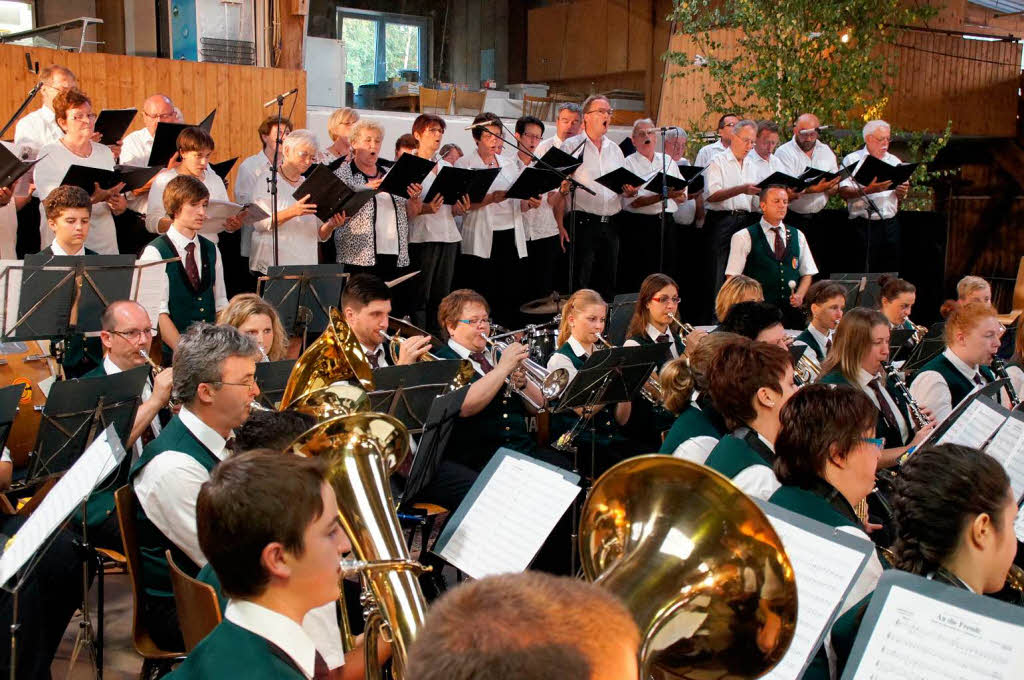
x=552, y=304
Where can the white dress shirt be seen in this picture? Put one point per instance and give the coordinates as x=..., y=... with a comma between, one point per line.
x=437, y=227
x=821, y=338
x=863, y=378
x=696, y=449
x=931, y=391
x=283, y=632
x=762, y=170
x=380, y=351
x=297, y=239
x=740, y=246
x=795, y=162
x=595, y=164
x=464, y=354
x=167, y=488
x=559, y=360
x=653, y=333
x=538, y=222
x=110, y=368
x=640, y=166
x=758, y=481
x=725, y=171
x=885, y=201
x=34, y=131
x=58, y=251
x=136, y=147
x=179, y=241
x=708, y=152
x=546, y=144
x=478, y=226
x=50, y=171
x=251, y=175
x=9, y=220
x=155, y=204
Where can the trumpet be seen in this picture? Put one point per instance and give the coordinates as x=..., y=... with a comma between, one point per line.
x=149, y=360
x=462, y=378
x=919, y=332
x=684, y=328
x=550, y=383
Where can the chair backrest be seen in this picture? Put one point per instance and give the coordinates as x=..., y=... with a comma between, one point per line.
x=436, y=101
x=539, y=107
x=468, y=103
x=127, y=509
x=197, y=605
x=1018, y=287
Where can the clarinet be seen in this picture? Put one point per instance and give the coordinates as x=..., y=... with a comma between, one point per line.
x=915, y=410
x=999, y=367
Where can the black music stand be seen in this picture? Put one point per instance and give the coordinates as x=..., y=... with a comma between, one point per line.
x=303, y=294
x=9, y=398
x=406, y=392
x=901, y=344
x=444, y=411
x=862, y=289
x=930, y=346
x=272, y=377
x=619, y=317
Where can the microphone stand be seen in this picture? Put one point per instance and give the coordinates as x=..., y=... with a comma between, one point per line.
x=664, y=202
x=272, y=180
x=871, y=208
x=31, y=95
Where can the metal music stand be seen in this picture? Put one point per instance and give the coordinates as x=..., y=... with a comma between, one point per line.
x=272, y=377
x=933, y=342
x=444, y=412
x=302, y=295
x=406, y=392
x=619, y=316
x=862, y=289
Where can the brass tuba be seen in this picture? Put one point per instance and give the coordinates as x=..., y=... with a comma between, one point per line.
x=697, y=564
x=361, y=450
x=336, y=355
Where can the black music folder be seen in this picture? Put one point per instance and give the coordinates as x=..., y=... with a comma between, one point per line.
x=694, y=176
x=674, y=183
x=408, y=169
x=331, y=195
x=534, y=182
x=619, y=178
x=812, y=176
x=113, y=123
x=782, y=179
x=874, y=169
x=480, y=183
x=557, y=158
x=12, y=167
x=165, y=139
x=224, y=167
x=134, y=177
x=332, y=166
x=454, y=183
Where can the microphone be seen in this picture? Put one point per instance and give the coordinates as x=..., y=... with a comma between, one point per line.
x=281, y=96
x=813, y=130
x=483, y=123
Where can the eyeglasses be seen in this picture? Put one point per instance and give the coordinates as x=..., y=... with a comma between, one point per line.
x=874, y=441
x=249, y=384
x=606, y=112
x=476, y=322
x=134, y=334
x=83, y=119
x=532, y=137
x=665, y=299
x=161, y=116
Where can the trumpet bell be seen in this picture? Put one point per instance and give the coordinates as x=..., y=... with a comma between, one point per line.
x=697, y=564
x=340, y=399
x=555, y=383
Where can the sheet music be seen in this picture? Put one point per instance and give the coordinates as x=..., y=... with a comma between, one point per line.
x=974, y=426
x=95, y=463
x=10, y=290
x=824, y=570
x=917, y=636
x=510, y=519
x=1018, y=525
x=148, y=285
x=1008, y=448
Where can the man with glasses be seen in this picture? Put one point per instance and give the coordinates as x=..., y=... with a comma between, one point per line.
x=596, y=240
x=726, y=129
x=137, y=146
x=804, y=151
x=215, y=381
x=39, y=128
x=126, y=332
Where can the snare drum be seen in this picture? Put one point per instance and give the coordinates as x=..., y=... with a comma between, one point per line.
x=24, y=362
x=542, y=343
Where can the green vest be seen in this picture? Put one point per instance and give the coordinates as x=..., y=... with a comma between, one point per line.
x=810, y=504
x=152, y=543
x=186, y=305
x=208, y=576
x=812, y=344
x=692, y=422
x=502, y=423
x=959, y=386
x=773, y=275
x=607, y=430
x=230, y=651
x=733, y=455
x=883, y=429
x=648, y=421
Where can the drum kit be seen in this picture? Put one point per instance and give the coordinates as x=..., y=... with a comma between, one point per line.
x=542, y=339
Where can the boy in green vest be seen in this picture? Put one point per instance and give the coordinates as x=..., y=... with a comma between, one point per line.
x=215, y=379
x=195, y=284
x=775, y=255
x=825, y=300
x=269, y=525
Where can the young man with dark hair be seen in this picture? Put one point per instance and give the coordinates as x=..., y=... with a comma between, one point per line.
x=406, y=143
x=825, y=301
x=366, y=306
x=194, y=290
x=757, y=321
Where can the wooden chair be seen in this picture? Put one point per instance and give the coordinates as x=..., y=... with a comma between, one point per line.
x=1017, y=306
x=198, y=608
x=154, y=658
x=469, y=103
x=436, y=101
x=539, y=107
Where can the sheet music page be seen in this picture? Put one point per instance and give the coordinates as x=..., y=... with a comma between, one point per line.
x=222, y=210
x=10, y=290
x=974, y=426
x=148, y=285
x=920, y=637
x=95, y=463
x=1018, y=525
x=824, y=571
x=1008, y=448
x=510, y=519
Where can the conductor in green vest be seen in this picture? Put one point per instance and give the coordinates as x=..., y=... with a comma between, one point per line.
x=215, y=381
x=269, y=524
x=776, y=256
x=194, y=289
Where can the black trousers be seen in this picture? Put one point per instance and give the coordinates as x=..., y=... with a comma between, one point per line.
x=543, y=254
x=719, y=226
x=642, y=250
x=436, y=264
x=877, y=244
x=499, y=278
x=386, y=267
x=161, y=619
x=237, y=277
x=689, y=269
x=596, y=244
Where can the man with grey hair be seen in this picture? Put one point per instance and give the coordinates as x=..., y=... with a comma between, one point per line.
x=568, y=117
x=726, y=130
x=872, y=208
x=215, y=381
x=729, y=187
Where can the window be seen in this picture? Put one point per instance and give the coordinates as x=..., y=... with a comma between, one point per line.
x=381, y=46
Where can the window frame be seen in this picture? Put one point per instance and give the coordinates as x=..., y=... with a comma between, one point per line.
x=426, y=52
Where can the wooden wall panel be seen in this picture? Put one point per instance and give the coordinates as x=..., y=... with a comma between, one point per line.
x=618, y=35
x=586, y=51
x=639, y=30
x=115, y=81
x=546, y=31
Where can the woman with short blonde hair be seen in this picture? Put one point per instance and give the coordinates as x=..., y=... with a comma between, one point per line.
x=257, y=318
x=339, y=125
x=739, y=288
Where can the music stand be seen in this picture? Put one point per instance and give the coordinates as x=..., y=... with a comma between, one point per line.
x=862, y=289
x=901, y=343
x=930, y=346
x=619, y=317
x=303, y=294
x=272, y=377
x=9, y=398
x=444, y=411
x=406, y=392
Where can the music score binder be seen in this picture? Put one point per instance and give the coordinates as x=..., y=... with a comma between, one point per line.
x=557, y=158
x=656, y=183
x=113, y=123
x=454, y=183
x=694, y=176
x=618, y=179
x=408, y=169
x=12, y=167
x=224, y=167
x=782, y=179
x=330, y=195
x=165, y=139
x=872, y=169
x=133, y=176
x=533, y=182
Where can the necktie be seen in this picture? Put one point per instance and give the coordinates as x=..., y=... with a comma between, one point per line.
x=374, y=358
x=780, y=247
x=883, y=405
x=190, y=265
x=978, y=380
x=479, y=358
x=320, y=669
x=664, y=337
x=828, y=344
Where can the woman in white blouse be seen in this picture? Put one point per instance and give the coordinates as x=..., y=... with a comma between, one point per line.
x=73, y=111
x=299, y=230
